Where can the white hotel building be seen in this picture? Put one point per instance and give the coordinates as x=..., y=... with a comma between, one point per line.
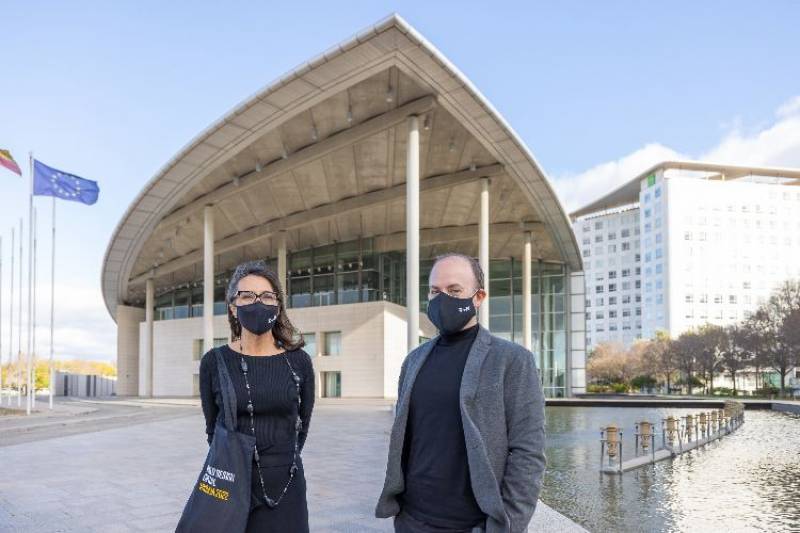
x=685, y=244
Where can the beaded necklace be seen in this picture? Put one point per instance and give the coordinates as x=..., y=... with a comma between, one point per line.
x=297, y=427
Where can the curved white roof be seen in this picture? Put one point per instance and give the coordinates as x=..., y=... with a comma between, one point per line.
x=226, y=165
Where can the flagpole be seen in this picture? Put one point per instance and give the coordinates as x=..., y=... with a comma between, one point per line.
x=52, y=303
x=11, y=313
x=33, y=323
x=19, y=323
x=30, y=285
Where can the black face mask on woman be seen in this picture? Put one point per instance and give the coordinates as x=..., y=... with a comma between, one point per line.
x=450, y=314
x=257, y=318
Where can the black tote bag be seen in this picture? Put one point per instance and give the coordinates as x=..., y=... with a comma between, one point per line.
x=220, y=500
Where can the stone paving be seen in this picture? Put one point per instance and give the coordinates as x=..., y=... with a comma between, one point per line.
x=137, y=478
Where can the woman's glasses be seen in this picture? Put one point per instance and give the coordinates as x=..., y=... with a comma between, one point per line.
x=249, y=297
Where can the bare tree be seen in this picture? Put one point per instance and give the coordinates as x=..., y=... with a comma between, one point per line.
x=712, y=340
x=607, y=363
x=738, y=351
x=686, y=349
x=659, y=358
x=776, y=322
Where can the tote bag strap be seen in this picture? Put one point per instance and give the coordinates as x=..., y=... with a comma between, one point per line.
x=227, y=391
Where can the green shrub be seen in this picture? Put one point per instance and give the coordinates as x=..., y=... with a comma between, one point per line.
x=619, y=387
x=643, y=382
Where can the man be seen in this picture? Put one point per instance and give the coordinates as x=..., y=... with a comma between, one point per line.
x=466, y=453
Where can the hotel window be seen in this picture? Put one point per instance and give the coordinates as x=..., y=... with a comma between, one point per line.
x=626, y=299
x=732, y=299
x=657, y=192
x=703, y=298
x=588, y=302
x=638, y=284
x=311, y=343
x=612, y=314
x=689, y=298
x=587, y=240
x=612, y=274
x=626, y=246
x=600, y=301
x=612, y=327
x=626, y=285
x=659, y=268
x=331, y=384
x=612, y=287
x=586, y=227
x=638, y=313
x=598, y=238
x=598, y=225
x=612, y=235
x=586, y=252
x=626, y=312
x=598, y=289
x=612, y=300
x=332, y=343
x=612, y=248
x=717, y=298
x=626, y=272
x=625, y=233
x=599, y=315
x=687, y=236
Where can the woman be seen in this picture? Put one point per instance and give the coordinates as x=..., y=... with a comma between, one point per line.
x=271, y=373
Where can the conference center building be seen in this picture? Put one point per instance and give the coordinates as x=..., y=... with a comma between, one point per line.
x=348, y=176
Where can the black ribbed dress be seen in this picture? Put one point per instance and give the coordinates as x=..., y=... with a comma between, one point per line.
x=275, y=411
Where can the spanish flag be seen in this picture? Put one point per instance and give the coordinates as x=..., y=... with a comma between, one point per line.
x=7, y=161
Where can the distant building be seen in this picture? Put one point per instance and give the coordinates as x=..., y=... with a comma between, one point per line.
x=68, y=384
x=684, y=244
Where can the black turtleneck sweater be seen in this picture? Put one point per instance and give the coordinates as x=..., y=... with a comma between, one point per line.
x=274, y=399
x=438, y=490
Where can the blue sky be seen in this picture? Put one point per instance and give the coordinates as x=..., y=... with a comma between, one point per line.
x=112, y=90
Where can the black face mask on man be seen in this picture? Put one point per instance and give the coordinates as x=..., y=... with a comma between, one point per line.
x=450, y=314
x=257, y=318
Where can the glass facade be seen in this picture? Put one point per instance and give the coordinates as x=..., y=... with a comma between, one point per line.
x=352, y=272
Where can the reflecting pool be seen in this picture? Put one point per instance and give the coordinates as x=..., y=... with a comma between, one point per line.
x=746, y=481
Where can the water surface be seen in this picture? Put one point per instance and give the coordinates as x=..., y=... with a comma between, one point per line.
x=746, y=481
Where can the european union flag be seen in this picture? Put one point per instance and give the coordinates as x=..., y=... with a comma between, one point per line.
x=48, y=181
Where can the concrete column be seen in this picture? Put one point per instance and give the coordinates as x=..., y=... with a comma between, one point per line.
x=128, y=349
x=208, y=278
x=526, y=292
x=483, y=249
x=282, y=261
x=149, y=312
x=412, y=233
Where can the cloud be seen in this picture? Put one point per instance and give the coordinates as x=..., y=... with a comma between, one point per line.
x=776, y=144
x=579, y=189
x=83, y=329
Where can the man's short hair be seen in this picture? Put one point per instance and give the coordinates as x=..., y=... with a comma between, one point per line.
x=477, y=271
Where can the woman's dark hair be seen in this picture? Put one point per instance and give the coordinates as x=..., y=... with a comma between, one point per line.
x=283, y=331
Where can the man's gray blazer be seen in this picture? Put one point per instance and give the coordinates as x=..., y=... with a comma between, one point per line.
x=502, y=410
